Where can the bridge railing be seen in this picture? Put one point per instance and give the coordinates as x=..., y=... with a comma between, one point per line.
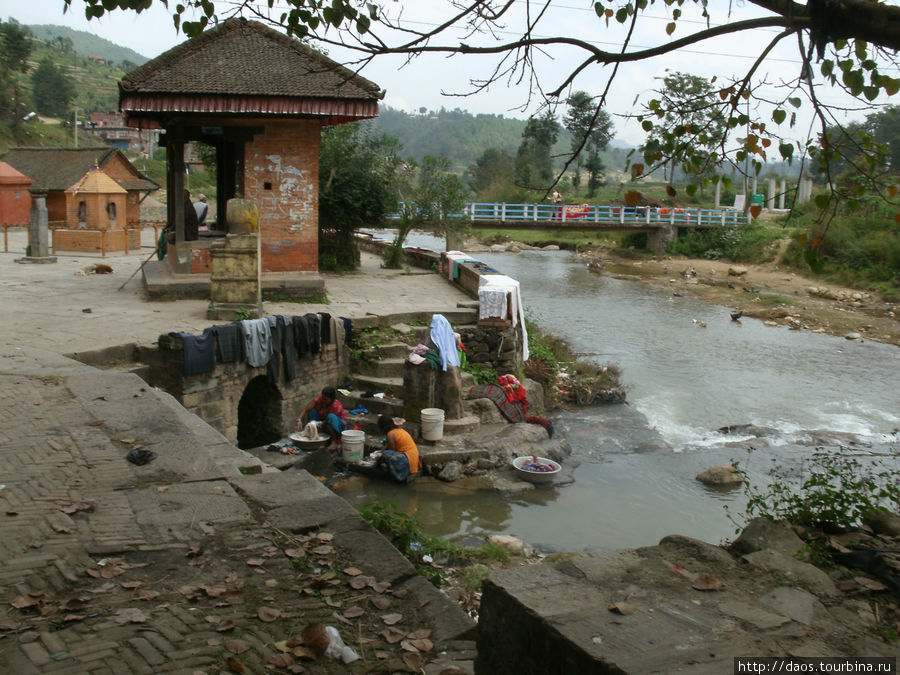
x=574, y=214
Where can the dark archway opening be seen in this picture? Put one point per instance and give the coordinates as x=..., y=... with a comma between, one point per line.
x=259, y=414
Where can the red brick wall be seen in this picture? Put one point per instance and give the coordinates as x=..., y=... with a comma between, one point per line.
x=281, y=173
x=15, y=210
x=200, y=261
x=92, y=241
x=118, y=168
x=56, y=206
x=97, y=216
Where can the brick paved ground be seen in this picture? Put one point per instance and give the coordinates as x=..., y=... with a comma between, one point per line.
x=184, y=565
x=108, y=567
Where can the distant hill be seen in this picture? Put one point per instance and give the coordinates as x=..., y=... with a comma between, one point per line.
x=455, y=134
x=462, y=137
x=88, y=44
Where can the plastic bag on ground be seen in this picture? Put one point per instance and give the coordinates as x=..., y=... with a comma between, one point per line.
x=337, y=649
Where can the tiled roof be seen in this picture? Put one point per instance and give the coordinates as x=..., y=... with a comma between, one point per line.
x=247, y=58
x=59, y=168
x=9, y=176
x=95, y=181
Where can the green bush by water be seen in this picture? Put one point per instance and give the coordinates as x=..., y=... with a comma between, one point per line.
x=831, y=488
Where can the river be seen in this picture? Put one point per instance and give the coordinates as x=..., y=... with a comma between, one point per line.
x=637, y=482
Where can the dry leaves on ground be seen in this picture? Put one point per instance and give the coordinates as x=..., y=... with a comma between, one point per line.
x=268, y=614
x=707, y=582
x=316, y=638
x=236, y=646
x=130, y=615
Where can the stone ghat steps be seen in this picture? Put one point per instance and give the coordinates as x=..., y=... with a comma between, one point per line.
x=376, y=406
x=369, y=424
x=387, y=385
x=393, y=350
x=386, y=367
x=374, y=435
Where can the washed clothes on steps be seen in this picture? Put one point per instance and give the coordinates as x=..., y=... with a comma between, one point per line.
x=444, y=339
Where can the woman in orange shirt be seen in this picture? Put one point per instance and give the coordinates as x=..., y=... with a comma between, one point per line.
x=399, y=454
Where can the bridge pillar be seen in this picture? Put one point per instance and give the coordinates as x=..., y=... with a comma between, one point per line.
x=659, y=237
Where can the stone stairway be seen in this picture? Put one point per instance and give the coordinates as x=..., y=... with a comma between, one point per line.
x=379, y=370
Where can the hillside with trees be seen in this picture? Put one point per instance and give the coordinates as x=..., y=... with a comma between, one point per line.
x=87, y=44
x=462, y=137
x=51, y=78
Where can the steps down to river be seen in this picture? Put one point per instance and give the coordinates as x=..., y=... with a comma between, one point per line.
x=379, y=370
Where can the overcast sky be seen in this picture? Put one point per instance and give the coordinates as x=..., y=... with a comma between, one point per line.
x=429, y=79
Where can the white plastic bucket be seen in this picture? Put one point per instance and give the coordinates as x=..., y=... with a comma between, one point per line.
x=353, y=442
x=432, y=424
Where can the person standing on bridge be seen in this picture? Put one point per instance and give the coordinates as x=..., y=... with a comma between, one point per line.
x=556, y=199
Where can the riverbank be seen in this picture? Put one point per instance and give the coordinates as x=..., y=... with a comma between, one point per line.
x=767, y=292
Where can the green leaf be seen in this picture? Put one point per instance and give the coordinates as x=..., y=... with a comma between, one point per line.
x=647, y=125
x=795, y=101
x=691, y=189
x=670, y=28
x=786, y=150
x=822, y=201
x=827, y=67
x=778, y=116
x=622, y=15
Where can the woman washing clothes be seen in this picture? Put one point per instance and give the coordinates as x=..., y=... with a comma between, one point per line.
x=329, y=413
x=399, y=454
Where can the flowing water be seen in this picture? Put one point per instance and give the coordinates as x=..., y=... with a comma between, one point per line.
x=637, y=481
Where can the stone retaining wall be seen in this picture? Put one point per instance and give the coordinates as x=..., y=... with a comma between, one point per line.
x=215, y=396
x=496, y=347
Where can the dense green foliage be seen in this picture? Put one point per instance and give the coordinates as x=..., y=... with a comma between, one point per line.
x=740, y=243
x=591, y=129
x=683, y=129
x=15, y=48
x=358, y=173
x=491, y=174
x=431, y=199
x=52, y=89
x=455, y=134
x=829, y=489
x=95, y=86
x=861, y=248
x=534, y=164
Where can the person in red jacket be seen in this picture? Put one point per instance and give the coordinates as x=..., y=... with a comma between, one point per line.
x=329, y=413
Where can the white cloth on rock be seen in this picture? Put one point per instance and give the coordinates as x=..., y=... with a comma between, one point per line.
x=443, y=338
